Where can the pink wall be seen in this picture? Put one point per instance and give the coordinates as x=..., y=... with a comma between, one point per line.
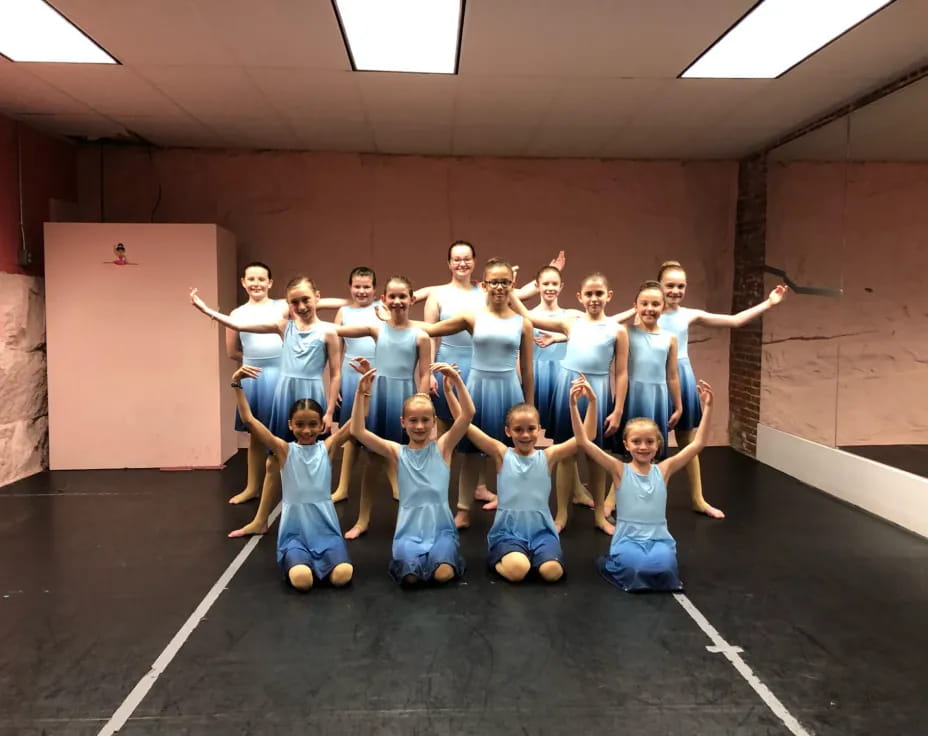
x=849, y=371
x=49, y=168
x=325, y=213
x=136, y=377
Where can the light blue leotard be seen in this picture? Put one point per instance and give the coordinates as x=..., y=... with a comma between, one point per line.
x=648, y=395
x=396, y=357
x=303, y=359
x=546, y=362
x=355, y=347
x=262, y=350
x=677, y=323
x=455, y=348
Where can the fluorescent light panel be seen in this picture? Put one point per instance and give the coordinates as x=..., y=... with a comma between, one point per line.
x=777, y=34
x=402, y=35
x=32, y=30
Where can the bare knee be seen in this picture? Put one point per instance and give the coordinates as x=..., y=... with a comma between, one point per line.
x=551, y=571
x=341, y=575
x=443, y=573
x=514, y=566
x=301, y=577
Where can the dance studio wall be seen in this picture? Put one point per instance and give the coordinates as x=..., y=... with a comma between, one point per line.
x=49, y=177
x=322, y=214
x=849, y=371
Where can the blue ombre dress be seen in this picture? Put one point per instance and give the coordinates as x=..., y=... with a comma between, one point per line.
x=425, y=534
x=590, y=350
x=523, y=520
x=493, y=383
x=642, y=555
x=301, y=364
x=309, y=533
x=648, y=395
x=355, y=347
x=396, y=357
x=677, y=323
x=545, y=364
x=261, y=350
x=456, y=348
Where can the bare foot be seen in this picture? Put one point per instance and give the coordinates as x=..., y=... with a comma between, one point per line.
x=608, y=509
x=462, y=519
x=491, y=506
x=340, y=495
x=605, y=526
x=396, y=495
x=560, y=523
x=356, y=531
x=244, y=496
x=482, y=493
x=710, y=511
x=583, y=499
x=250, y=530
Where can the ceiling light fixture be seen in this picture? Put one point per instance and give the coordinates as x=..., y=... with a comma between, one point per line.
x=422, y=36
x=33, y=30
x=776, y=35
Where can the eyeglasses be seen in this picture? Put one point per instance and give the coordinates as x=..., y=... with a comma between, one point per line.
x=499, y=283
x=462, y=260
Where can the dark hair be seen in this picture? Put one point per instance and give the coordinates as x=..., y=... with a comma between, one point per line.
x=596, y=275
x=363, y=271
x=522, y=406
x=669, y=266
x=473, y=252
x=494, y=262
x=257, y=264
x=554, y=269
x=306, y=405
x=401, y=280
x=297, y=280
x=645, y=285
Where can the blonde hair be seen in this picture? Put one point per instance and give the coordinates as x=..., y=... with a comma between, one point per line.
x=522, y=406
x=418, y=397
x=669, y=266
x=643, y=422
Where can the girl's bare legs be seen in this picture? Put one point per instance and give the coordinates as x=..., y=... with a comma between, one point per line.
x=301, y=577
x=598, y=490
x=341, y=574
x=470, y=472
x=376, y=467
x=256, y=456
x=551, y=571
x=270, y=497
x=514, y=566
x=443, y=573
x=566, y=479
x=481, y=492
x=694, y=475
x=349, y=455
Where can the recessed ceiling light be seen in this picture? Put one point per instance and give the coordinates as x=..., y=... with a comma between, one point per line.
x=776, y=35
x=32, y=30
x=402, y=35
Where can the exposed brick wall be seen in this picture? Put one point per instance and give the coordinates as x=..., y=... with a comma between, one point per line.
x=748, y=289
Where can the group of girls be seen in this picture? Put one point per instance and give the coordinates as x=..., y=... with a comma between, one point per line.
x=630, y=382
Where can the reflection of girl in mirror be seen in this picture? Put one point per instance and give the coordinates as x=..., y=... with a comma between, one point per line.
x=120, y=259
x=677, y=319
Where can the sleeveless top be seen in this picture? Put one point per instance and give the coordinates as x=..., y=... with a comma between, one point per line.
x=359, y=347
x=307, y=474
x=524, y=483
x=261, y=348
x=422, y=477
x=641, y=507
x=304, y=353
x=591, y=347
x=396, y=352
x=677, y=323
x=496, y=342
x=647, y=355
x=552, y=352
x=453, y=302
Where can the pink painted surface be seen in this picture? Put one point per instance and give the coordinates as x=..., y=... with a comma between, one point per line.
x=323, y=214
x=849, y=371
x=136, y=377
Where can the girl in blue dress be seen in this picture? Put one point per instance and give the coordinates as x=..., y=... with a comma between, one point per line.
x=523, y=536
x=425, y=544
x=402, y=358
x=598, y=348
x=501, y=337
x=309, y=541
x=677, y=320
x=309, y=345
x=359, y=310
x=642, y=555
x=263, y=351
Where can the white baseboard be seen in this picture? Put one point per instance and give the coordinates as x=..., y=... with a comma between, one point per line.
x=895, y=495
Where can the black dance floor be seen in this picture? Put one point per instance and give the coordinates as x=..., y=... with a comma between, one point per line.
x=911, y=458
x=100, y=569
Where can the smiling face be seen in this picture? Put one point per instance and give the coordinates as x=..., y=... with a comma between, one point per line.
x=594, y=295
x=256, y=283
x=673, y=282
x=362, y=290
x=461, y=262
x=397, y=297
x=523, y=427
x=649, y=305
x=497, y=282
x=306, y=425
x=418, y=420
x=550, y=286
x=302, y=300
x=642, y=440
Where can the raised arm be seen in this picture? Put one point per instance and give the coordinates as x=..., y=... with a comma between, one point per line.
x=673, y=385
x=461, y=406
x=594, y=452
x=619, y=381
x=331, y=302
x=355, y=330
x=432, y=312
x=531, y=288
x=230, y=322
x=361, y=433
x=526, y=366
x=673, y=463
x=255, y=427
x=459, y=322
x=623, y=316
x=557, y=452
x=553, y=324
x=744, y=316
